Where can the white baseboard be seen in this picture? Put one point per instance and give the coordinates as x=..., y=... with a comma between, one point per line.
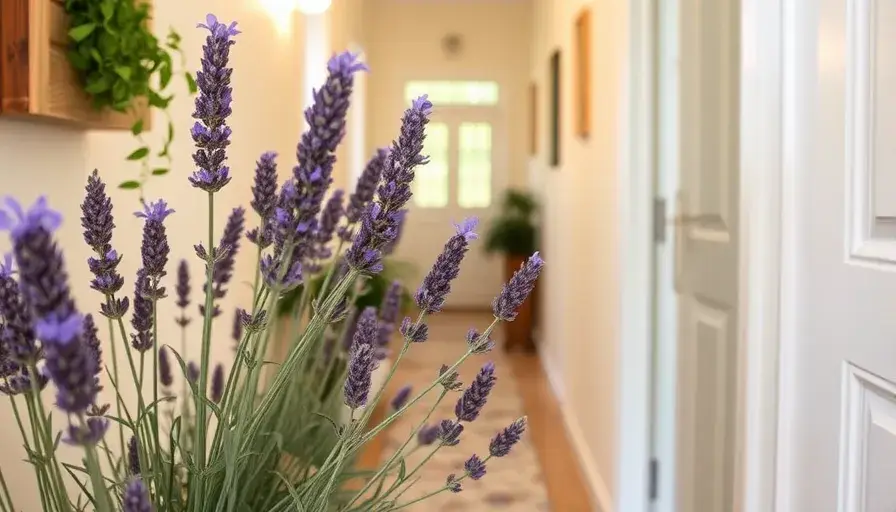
x=597, y=487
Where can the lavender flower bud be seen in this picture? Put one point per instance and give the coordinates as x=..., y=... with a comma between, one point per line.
x=87, y=435
x=44, y=284
x=165, y=375
x=515, y=292
x=237, y=333
x=470, y=404
x=96, y=211
x=416, y=333
x=450, y=380
x=453, y=484
x=401, y=397
x=504, y=441
x=98, y=410
x=17, y=334
x=365, y=331
x=212, y=135
x=192, y=372
x=133, y=457
x=264, y=192
x=449, y=432
x=475, y=467
x=106, y=279
x=141, y=320
x=92, y=340
x=366, y=187
x=183, y=292
x=477, y=343
x=217, y=384
x=428, y=434
x=360, y=371
x=390, y=245
x=436, y=285
x=154, y=249
x=136, y=497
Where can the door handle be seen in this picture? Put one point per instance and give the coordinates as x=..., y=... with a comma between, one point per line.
x=689, y=220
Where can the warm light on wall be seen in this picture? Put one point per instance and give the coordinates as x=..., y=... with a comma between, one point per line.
x=281, y=13
x=313, y=6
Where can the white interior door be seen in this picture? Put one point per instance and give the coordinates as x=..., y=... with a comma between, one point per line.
x=465, y=177
x=697, y=275
x=837, y=438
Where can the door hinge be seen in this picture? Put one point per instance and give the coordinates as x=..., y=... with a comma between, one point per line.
x=654, y=478
x=659, y=219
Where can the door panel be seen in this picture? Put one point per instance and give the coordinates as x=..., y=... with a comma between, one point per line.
x=838, y=440
x=706, y=226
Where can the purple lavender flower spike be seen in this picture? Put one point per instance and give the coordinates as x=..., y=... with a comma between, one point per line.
x=449, y=432
x=428, y=434
x=165, y=375
x=401, y=398
x=133, y=456
x=389, y=247
x=515, y=291
x=504, y=441
x=326, y=119
x=329, y=219
x=264, y=191
x=96, y=215
x=389, y=311
x=192, y=372
x=183, y=292
x=415, y=333
x=154, y=248
x=358, y=381
x=365, y=331
x=92, y=340
x=45, y=288
x=217, y=390
x=237, y=333
x=366, y=186
x=17, y=335
x=136, y=497
x=230, y=242
x=431, y=295
x=210, y=133
x=381, y=221
x=141, y=319
x=475, y=467
x=470, y=404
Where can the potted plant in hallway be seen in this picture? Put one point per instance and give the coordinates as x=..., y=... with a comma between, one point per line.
x=514, y=234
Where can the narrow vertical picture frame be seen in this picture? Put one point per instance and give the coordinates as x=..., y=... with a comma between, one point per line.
x=533, y=119
x=582, y=73
x=555, y=109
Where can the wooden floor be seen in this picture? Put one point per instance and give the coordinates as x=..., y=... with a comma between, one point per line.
x=565, y=485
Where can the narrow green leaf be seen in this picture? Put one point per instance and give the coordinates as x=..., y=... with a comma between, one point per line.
x=107, y=7
x=191, y=83
x=137, y=127
x=139, y=153
x=81, y=32
x=160, y=171
x=129, y=185
x=164, y=75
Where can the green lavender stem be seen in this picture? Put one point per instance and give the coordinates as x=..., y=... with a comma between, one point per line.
x=115, y=373
x=11, y=507
x=39, y=468
x=46, y=438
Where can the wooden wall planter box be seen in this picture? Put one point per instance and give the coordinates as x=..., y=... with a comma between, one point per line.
x=36, y=79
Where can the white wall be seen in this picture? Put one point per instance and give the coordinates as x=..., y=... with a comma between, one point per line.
x=39, y=158
x=581, y=306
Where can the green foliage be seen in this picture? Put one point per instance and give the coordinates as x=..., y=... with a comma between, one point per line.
x=119, y=61
x=514, y=231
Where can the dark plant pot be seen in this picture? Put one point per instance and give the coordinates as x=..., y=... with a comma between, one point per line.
x=519, y=332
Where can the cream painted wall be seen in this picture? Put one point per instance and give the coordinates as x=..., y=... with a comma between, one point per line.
x=403, y=41
x=581, y=306
x=39, y=158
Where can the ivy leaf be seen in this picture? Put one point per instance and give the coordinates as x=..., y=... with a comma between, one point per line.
x=81, y=32
x=124, y=72
x=160, y=171
x=139, y=153
x=97, y=84
x=191, y=83
x=137, y=128
x=164, y=75
x=129, y=185
x=107, y=7
x=157, y=100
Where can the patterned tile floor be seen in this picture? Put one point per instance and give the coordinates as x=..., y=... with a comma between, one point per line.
x=513, y=483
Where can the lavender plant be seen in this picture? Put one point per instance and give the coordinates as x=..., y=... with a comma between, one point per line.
x=238, y=441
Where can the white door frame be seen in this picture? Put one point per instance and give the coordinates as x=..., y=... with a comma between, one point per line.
x=766, y=233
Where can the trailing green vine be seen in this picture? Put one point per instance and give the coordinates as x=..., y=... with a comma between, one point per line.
x=119, y=61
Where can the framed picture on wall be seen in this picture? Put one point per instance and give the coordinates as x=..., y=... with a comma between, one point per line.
x=554, y=81
x=583, y=73
x=533, y=119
